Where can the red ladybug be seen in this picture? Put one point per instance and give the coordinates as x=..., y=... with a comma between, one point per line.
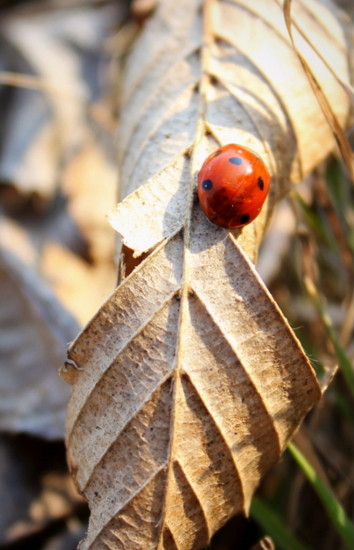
x=233, y=184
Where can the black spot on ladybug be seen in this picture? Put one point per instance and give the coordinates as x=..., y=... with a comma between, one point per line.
x=260, y=183
x=244, y=218
x=235, y=160
x=207, y=185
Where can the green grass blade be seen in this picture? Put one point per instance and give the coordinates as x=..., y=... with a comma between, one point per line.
x=316, y=224
x=274, y=526
x=334, y=509
x=343, y=360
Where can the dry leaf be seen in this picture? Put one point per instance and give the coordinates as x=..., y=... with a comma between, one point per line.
x=188, y=382
x=45, y=274
x=79, y=286
x=276, y=242
x=234, y=91
x=51, y=69
x=338, y=132
x=202, y=396
x=35, y=331
x=90, y=183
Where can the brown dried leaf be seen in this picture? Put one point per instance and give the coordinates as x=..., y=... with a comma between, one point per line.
x=35, y=331
x=188, y=382
x=46, y=88
x=80, y=287
x=90, y=183
x=338, y=132
x=183, y=403
x=246, y=87
x=45, y=287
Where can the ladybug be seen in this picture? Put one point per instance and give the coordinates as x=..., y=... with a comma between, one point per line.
x=233, y=184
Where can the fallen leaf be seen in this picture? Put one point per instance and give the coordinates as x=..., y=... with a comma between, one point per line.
x=182, y=404
x=90, y=182
x=51, y=61
x=35, y=331
x=79, y=286
x=232, y=91
x=338, y=132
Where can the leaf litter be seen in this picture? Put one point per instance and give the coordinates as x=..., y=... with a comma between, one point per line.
x=55, y=246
